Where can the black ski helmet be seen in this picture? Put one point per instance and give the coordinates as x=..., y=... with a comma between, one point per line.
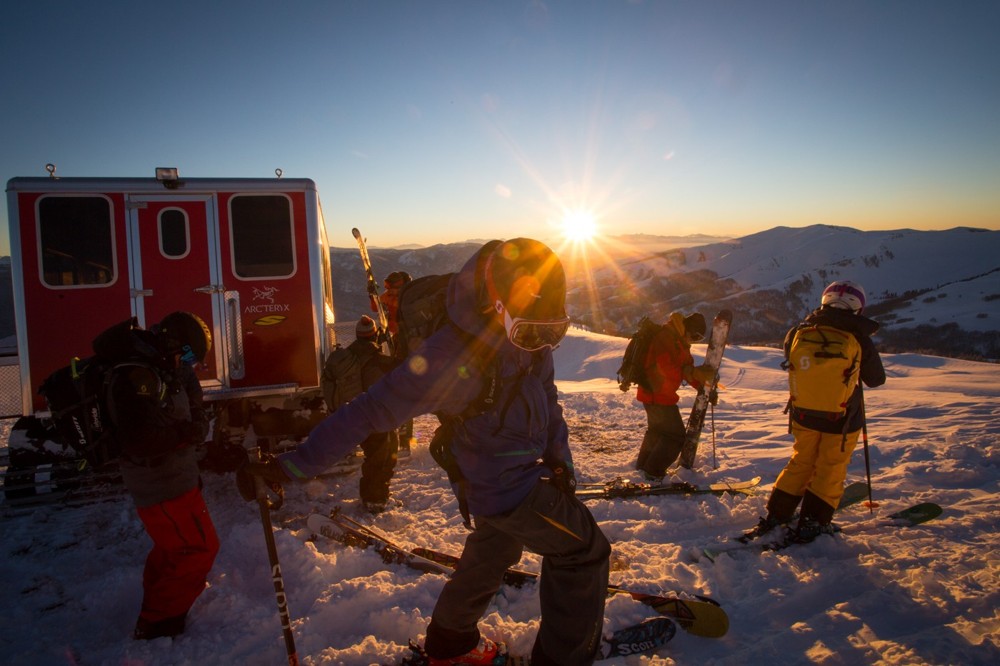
x=182, y=332
x=525, y=282
x=694, y=326
x=528, y=279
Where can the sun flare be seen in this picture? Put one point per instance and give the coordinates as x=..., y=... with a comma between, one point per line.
x=579, y=226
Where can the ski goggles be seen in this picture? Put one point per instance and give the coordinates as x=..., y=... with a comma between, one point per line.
x=533, y=334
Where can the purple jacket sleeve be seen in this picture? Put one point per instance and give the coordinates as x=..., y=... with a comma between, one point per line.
x=438, y=380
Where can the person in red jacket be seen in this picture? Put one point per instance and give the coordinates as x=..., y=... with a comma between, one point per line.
x=668, y=363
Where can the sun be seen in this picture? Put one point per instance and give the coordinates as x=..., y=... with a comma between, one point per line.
x=579, y=226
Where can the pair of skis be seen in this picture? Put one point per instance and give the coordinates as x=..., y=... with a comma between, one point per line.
x=371, y=284
x=699, y=615
x=619, y=488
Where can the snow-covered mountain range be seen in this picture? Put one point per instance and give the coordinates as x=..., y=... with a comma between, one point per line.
x=932, y=291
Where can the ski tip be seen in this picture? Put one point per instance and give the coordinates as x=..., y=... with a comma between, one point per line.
x=918, y=514
x=643, y=638
x=707, y=600
x=356, y=232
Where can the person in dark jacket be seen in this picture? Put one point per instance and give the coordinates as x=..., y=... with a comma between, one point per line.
x=814, y=475
x=380, y=448
x=156, y=406
x=507, y=311
x=668, y=363
x=394, y=284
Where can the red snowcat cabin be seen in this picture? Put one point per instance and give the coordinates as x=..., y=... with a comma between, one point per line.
x=248, y=255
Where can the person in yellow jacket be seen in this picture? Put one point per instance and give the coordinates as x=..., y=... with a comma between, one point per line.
x=814, y=475
x=668, y=363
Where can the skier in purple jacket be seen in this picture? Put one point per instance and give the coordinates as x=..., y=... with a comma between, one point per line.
x=489, y=375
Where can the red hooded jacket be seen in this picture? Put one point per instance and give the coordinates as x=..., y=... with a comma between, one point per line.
x=668, y=354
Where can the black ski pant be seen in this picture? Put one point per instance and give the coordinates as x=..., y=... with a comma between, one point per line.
x=572, y=588
x=380, y=461
x=663, y=441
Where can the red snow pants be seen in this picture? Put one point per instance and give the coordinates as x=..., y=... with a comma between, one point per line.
x=184, y=547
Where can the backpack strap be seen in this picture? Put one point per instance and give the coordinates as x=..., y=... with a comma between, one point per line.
x=440, y=450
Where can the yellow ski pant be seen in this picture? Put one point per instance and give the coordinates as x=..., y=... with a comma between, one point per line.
x=818, y=464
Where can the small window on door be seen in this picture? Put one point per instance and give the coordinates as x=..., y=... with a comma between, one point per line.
x=263, y=246
x=76, y=241
x=174, y=232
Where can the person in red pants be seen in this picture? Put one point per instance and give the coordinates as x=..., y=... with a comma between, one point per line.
x=157, y=410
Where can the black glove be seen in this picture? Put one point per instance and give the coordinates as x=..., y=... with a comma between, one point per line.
x=563, y=477
x=268, y=469
x=713, y=397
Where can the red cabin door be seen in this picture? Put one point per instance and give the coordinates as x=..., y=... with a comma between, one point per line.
x=174, y=242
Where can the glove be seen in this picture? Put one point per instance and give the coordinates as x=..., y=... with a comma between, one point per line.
x=697, y=376
x=713, y=397
x=563, y=477
x=268, y=469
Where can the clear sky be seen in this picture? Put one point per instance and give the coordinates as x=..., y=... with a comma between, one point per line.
x=426, y=121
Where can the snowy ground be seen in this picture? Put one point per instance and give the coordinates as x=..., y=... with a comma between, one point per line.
x=928, y=595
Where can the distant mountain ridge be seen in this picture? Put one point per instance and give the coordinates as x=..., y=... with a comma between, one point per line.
x=931, y=291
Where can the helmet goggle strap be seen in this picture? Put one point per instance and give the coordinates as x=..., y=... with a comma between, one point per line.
x=533, y=334
x=188, y=356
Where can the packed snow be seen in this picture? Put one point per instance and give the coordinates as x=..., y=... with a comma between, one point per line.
x=924, y=595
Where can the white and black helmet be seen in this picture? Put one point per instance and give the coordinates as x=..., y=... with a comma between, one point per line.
x=845, y=295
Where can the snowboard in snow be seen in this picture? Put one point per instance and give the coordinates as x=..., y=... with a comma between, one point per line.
x=643, y=638
x=713, y=358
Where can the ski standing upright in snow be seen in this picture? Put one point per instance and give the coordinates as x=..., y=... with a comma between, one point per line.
x=713, y=358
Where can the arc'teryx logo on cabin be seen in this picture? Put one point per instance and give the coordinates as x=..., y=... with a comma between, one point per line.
x=269, y=309
x=264, y=293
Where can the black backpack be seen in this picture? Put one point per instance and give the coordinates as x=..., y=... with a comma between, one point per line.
x=77, y=395
x=422, y=311
x=633, y=367
x=342, y=380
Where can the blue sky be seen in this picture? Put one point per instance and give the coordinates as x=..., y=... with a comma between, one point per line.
x=426, y=121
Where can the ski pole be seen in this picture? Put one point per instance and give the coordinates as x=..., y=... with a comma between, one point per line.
x=864, y=439
x=276, y=578
x=265, y=505
x=715, y=462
